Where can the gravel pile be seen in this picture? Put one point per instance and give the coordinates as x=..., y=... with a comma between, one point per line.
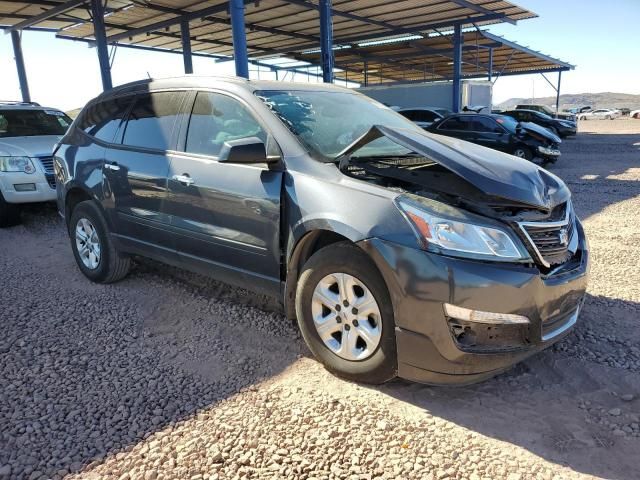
x=169, y=375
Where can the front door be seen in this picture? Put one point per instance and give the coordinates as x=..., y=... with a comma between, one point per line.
x=225, y=217
x=136, y=170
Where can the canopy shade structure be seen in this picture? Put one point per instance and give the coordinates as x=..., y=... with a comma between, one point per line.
x=344, y=35
x=431, y=58
x=273, y=27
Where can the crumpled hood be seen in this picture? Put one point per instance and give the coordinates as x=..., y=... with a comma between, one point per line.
x=494, y=173
x=35, y=146
x=534, y=127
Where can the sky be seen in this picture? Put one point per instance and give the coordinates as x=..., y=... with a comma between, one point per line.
x=600, y=38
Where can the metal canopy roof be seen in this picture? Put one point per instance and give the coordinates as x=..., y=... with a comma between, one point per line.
x=273, y=27
x=431, y=58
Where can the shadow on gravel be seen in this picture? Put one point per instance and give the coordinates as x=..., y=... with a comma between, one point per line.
x=88, y=371
x=560, y=404
x=596, y=166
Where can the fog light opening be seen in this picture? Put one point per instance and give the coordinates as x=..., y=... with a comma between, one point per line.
x=478, y=316
x=24, y=187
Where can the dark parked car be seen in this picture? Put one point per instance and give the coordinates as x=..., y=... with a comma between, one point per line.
x=423, y=117
x=501, y=132
x=398, y=251
x=561, y=128
x=548, y=110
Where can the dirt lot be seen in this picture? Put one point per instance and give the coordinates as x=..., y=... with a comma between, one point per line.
x=171, y=375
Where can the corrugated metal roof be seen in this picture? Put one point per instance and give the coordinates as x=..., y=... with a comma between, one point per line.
x=274, y=27
x=431, y=58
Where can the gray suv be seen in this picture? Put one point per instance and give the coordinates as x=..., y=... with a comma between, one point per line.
x=398, y=251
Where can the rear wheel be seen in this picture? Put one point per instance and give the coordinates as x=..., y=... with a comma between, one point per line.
x=93, y=250
x=345, y=315
x=608, y=117
x=523, y=152
x=9, y=213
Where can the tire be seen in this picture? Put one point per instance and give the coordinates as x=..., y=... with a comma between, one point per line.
x=637, y=116
x=523, y=152
x=608, y=117
x=366, y=361
x=583, y=118
x=9, y=213
x=110, y=265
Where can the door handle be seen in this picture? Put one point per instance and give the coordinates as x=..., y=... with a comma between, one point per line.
x=112, y=166
x=184, y=179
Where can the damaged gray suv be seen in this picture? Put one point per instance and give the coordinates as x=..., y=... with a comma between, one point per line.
x=398, y=252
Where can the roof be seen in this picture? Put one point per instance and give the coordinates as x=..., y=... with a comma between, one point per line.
x=430, y=58
x=274, y=27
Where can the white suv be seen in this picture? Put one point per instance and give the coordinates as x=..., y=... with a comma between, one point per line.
x=28, y=133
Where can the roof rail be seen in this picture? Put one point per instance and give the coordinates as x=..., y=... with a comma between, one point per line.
x=18, y=102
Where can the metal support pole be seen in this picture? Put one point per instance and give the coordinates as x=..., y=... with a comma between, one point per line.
x=97, y=12
x=185, y=36
x=22, y=72
x=326, y=40
x=457, y=66
x=239, y=38
x=558, y=92
x=490, y=72
x=366, y=73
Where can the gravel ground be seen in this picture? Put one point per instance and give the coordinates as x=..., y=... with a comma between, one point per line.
x=171, y=375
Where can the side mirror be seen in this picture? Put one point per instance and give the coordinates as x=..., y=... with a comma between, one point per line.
x=244, y=150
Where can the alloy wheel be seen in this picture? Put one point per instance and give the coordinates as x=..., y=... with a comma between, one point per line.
x=346, y=316
x=87, y=244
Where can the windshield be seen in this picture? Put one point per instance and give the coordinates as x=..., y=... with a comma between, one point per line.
x=29, y=123
x=327, y=122
x=507, y=122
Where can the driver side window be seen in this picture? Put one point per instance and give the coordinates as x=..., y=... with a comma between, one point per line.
x=217, y=118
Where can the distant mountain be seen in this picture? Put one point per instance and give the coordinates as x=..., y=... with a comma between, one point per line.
x=74, y=113
x=569, y=100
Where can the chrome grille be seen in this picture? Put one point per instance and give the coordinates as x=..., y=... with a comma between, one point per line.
x=47, y=165
x=553, y=242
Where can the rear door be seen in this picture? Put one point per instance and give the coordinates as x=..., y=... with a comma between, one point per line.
x=225, y=217
x=458, y=126
x=485, y=131
x=136, y=170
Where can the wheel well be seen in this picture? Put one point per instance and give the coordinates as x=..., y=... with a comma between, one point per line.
x=74, y=197
x=309, y=244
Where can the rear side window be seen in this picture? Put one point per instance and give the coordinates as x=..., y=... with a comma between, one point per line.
x=456, y=123
x=103, y=119
x=217, y=118
x=484, y=124
x=151, y=120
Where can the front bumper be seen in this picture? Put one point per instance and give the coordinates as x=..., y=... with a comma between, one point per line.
x=548, y=153
x=42, y=190
x=435, y=349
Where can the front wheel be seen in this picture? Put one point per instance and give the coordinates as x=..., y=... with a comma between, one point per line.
x=523, y=152
x=95, y=254
x=345, y=314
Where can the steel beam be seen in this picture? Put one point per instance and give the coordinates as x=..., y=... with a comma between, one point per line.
x=490, y=69
x=22, y=72
x=239, y=38
x=326, y=41
x=558, y=92
x=173, y=21
x=52, y=12
x=480, y=9
x=457, y=66
x=186, y=46
x=97, y=14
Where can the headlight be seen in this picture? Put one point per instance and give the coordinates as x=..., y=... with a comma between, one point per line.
x=547, y=150
x=447, y=230
x=16, y=164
